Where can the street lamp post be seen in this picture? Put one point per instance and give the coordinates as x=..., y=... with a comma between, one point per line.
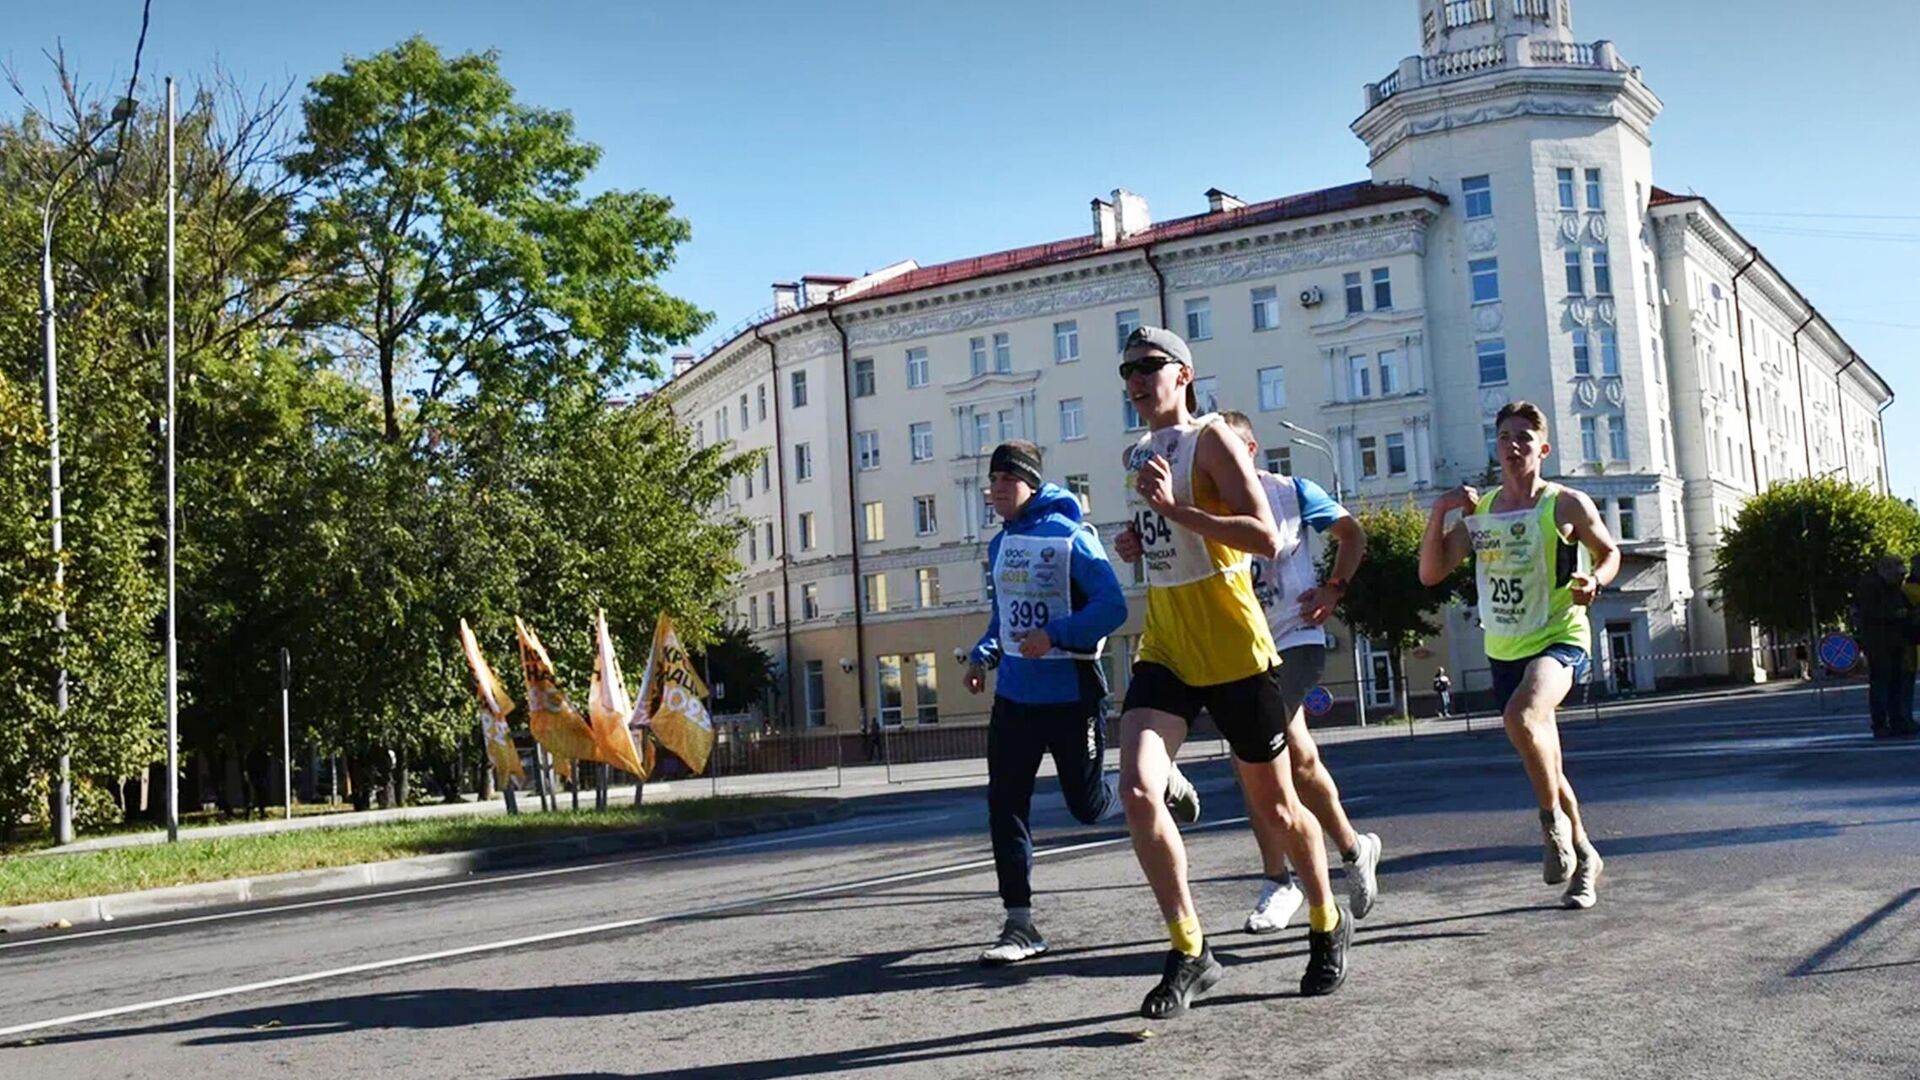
x=1313, y=440
x=63, y=785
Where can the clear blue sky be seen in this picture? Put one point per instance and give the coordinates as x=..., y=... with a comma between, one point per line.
x=839, y=137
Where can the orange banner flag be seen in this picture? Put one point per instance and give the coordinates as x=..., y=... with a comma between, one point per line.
x=680, y=720
x=608, y=707
x=494, y=707
x=555, y=722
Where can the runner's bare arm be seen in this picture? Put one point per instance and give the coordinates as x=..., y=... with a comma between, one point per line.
x=1582, y=519
x=1443, y=548
x=1248, y=523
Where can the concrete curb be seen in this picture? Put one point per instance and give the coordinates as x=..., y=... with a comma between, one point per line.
x=452, y=864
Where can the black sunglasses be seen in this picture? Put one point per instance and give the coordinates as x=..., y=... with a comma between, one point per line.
x=1146, y=365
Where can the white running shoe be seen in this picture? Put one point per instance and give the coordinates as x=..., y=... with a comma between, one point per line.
x=1582, y=889
x=1557, y=858
x=1362, y=871
x=1182, y=799
x=1276, y=907
x=1018, y=941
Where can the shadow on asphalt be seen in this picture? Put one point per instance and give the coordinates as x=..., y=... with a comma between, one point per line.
x=1815, y=964
x=1638, y=845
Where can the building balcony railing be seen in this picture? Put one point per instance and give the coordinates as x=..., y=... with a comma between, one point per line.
x=1418, y=71
x=1467, y=12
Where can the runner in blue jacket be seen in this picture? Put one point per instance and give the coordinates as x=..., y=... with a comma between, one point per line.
x=1053, y=600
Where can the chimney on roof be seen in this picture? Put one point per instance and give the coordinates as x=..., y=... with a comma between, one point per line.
x=786, y=297
x=1130, y=213
x=1219, y=201
x=1105, y=228
x=819, y=288
x=682, y=360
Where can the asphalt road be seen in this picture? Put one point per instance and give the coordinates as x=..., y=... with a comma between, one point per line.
x=1760, y=917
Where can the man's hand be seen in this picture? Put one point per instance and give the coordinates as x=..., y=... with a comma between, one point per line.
x=1155, y=483
x=1036, y=644
x=1584, y=588
x=1317, y=604
x=1463, y=498
x=976, y=678
x=1127, y=545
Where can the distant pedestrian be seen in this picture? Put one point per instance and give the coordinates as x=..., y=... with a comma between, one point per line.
x=1912, y=589
x=1443, y=688
x=1883, y=615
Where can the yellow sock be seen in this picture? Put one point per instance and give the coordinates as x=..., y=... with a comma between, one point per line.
x=1186, y=935
x=1323, y=917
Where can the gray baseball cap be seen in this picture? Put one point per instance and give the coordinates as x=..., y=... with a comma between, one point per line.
x=1146, y=339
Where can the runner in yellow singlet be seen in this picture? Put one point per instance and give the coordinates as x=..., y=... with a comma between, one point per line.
x=1526, y=541
x=1197, y=512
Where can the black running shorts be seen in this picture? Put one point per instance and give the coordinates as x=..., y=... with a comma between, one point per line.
x=1251, y=712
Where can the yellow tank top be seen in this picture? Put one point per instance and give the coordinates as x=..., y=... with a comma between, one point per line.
x=1204, y=622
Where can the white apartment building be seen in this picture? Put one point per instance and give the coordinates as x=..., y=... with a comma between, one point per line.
x=1510, y=243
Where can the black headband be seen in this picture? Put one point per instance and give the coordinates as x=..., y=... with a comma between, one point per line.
x=1016, y=461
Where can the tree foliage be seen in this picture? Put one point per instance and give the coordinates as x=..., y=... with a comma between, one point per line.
x=1808, y=541
x=1385, y=601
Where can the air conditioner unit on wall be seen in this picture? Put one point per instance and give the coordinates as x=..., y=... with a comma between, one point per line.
x=1311, y=296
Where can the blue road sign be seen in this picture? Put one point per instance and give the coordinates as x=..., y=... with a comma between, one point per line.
x=1839, y=652
x=1318, y=701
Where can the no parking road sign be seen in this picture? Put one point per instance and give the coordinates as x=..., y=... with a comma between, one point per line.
x=1318, y=701
x=1839, y=652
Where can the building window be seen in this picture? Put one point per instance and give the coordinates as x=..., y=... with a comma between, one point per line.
x=1491, y=436
x=816, y=691
x=874, y=588
x=1476, y=192
x=699, y=434
x=982, y=434
x=753, y=545
x=1130, y=416
x=1073, y=419
x=928, y=579
x=988, y=519
x=1356, y=296
x=1582, y=353
x=917, y=373
x=766, y=472
x=926, y=521
x=1564, y=179
x=1589, y=439
x=720, y=425
x=1610, y=352
x=1390, y=372
x=1629, y=528
x=888, y=670
x=1080, y=486
x=1666, y=440
x=1576, y=277
x=802, y=462
x=1369, y=457
x=1273, y=388
x=1002, y=354
x=1359, y=375
x=1593, y=189
x=1279, y=459
x=875, y=520
x=1266, y=308
x=766, y=538
x=1199, y=319
x=977, y=356
x=753, y=612
x=1066, y=342
x=1206, y=394
x=863, y=381
x=745, y=422
x=1124, y=324
x=748, y=480
x=760, y=396
x=1492, y=355
x=806, y=530
x=1485, y=274
x=1617, y=437
x=1008, y=427
x=920, y=439
x=926, y=689
x=799, y=391
x=1382, y=288
x=1396, y=454
x=1602, y=273
x=869, y=445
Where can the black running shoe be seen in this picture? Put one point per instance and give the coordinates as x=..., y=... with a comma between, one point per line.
x=1327, y=958
x=1184, y=978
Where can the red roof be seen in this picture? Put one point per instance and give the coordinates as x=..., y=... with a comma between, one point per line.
x=1325, y=201
x=1662, y=197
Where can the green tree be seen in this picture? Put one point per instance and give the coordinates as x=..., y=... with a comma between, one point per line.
x=1798, y=549
x=741, y=667
x=1385, y=600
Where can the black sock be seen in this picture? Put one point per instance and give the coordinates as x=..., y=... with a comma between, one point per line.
x=1283, y=879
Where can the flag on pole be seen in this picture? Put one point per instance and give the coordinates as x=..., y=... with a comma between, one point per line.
x=608, y=707
x=640, y=721
x=494, y=707
x=555, y=722
x=680, y=720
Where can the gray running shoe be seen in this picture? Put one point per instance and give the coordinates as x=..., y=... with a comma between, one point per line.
x=1276, y=907
x=1363, y=883
x=1581, y=892
x=1018, y=941
x=1557, y=862
x=1182, y=799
